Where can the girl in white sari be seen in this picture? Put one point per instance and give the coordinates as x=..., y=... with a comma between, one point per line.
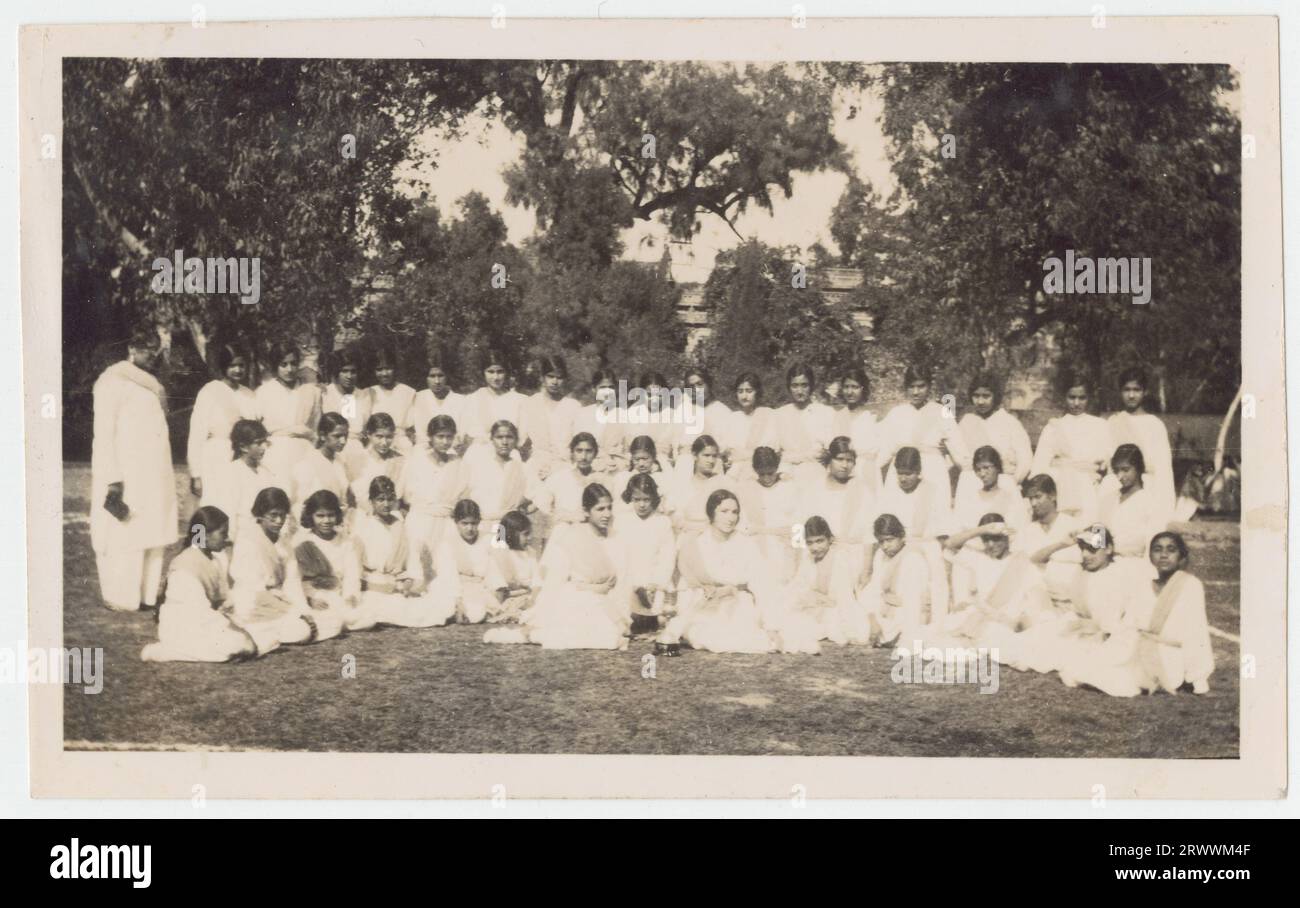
x=495, y=477
x=438, y=399
x=580, y=605
x=649, y=411
x=601, y=420
x=704, y=415
x=380, y=458
x=234, y=488
x=923, y=510
x=394, y=584
x=896, y=596
x=988, y=424
x=644, y=460
x=324, y=467
x=648, y=548
x=388, y=395
x=749, y=427
x=265, y=585
x=1073, y=450
x=770, y=506
x=990, y=491
x=695, y=481
x=1146, y=430
x=432, y=481
x=547, y=420
x=560, y=499
x=803, y=426
x=723, y=589
x=514, y=574
x=329, y=565
x=930, y=428
x=843, y=497
x=219, y=405
x=355, y=404
x=289, y=410
x=1174, y=647
x=462, y=564
x=857, y=423
x=194, y=622
x=822, y=595
x=492, y=404
x=1128, y=508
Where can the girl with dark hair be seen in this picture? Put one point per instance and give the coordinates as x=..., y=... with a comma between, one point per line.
x=1127, y=507
x=929, y=427
x=234, y=488
x=749, y=427
x=514, y=574
x=495, y=477
x=803, y=426
x=547, y=419
x=1073, y=450
x=695, y=480
x=290, y=410
x=495, y=402
x=987, y=488
x=643, y=458
x=344, y=396
x=841, y=497
x=770, y=505
x=438, y=399
x=922, y=508
x=1174, y=647
x=560, y=497
x=381, y=457
x=329, y=566
x=600, y=419
x=388, y=395
x=220, y=403
x=988, y=424
x=581, y=604
x=194, y=622
x=394, y=583
x=649, y=546
x=323, y=468
x=462, y=565
x=855, y=421
x=723, y=589
x=432, y=481
x=264, y=580
x=897, y=597
x=1134, y=425
x=821, y=599
x=702, y=413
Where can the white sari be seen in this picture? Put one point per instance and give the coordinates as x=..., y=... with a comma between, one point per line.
x=216, y=410
x=290, y=416
x=1075, y=451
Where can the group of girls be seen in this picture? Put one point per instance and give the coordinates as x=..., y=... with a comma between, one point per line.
x=745, y=529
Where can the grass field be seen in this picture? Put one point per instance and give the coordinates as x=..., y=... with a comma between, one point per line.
x=443, y=690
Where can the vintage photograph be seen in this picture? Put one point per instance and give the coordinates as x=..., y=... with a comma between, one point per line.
x=658, y=403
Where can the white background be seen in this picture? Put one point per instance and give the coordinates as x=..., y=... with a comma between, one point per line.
x=14, y=799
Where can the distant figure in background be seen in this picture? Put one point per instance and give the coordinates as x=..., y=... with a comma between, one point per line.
x=133, y=514
x=1146, y=430
x=220, y=403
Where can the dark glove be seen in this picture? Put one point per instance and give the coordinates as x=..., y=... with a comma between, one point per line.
x=113, y=502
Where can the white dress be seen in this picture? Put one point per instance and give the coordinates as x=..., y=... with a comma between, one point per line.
x=430, y=487
x=1132, y=521
x=315, y=473
x=581, y=604
x=290, y=415
x=131, y=446
x=548, y=423
x=689, y=496
x=427, y=406
x=822, y=596
x=1100, y=648
x=329, y=577
x=194, y=623
x=770, y=515
x=369, y=468
x=925, y=516
x=265, y=592
x=803, y=434
x=973, y=501
x=861, y=428
x=1148, y=432
x=386, y=559
x=715, y=420
x=461, y=581
x=743, y=434
x=709, y=618
x=897, y=597
x=905, y=426
x=216, y=410
x=235, y=488
x=1003, y=432
x=611, y=436
x=1075, y=451
x=647, y=552
x=485, y=407
x=849, y=507
x=1174, y=647
x=396, y=402
x=356, y=409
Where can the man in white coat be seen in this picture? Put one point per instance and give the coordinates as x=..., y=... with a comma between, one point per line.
x=133, y=514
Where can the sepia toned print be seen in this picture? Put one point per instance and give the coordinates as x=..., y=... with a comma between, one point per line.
x=763, y=408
